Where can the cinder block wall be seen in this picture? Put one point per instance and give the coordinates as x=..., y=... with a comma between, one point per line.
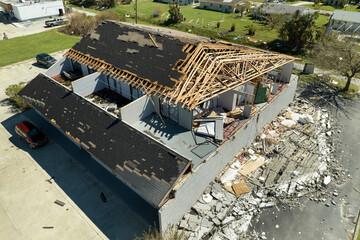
x=187, y=193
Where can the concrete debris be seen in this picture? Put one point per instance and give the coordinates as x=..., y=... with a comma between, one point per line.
x=207, y=198
x=292, y=157
x=326, y=180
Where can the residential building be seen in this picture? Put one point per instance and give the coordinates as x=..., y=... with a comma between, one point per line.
x=24, y=10
x=225, y=6
x=345, y=21
x=276, y=8
x=163, y=111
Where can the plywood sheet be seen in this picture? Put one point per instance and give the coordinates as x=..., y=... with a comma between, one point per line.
x=251, y=166
x=240, y=188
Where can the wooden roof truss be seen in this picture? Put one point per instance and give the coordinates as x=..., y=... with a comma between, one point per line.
x=212, y=69
x=208, y=70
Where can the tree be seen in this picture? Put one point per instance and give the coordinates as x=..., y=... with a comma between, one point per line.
x=341, y=56
x=244, y=7
x=175, y=15
x=300, y=30
x=11, y=91
x=107, y=3
x=274, y=19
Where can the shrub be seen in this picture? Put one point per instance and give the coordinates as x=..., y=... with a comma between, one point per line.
x=232, y=27
x=252, y=30
x=107, y=15
x=81, y=25
x=11, y=91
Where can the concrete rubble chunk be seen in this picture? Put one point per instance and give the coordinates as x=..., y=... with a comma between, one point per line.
x=218, y=207
x=266, y=205
x=194, y=219
x=192, y=226
x=327, y=180
x=201, y=208
x=216, y=221
x=183, y=224
x=217, y=195
x=207, y=198
x=228, y=220
x=229, y=233
x=202, y=231
x=206, y=223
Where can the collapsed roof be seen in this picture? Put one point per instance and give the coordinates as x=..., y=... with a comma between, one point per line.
x=149, y=168
x=179, y=70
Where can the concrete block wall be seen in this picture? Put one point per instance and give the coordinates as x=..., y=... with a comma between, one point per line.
x=84, y=69
x=63, y=64
x=191, y=189
x=185, y=117
x=137, y=110
x=89, y=84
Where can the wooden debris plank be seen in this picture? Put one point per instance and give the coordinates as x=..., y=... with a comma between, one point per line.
x=240, y=188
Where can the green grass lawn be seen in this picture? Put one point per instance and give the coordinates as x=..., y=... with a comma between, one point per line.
x=332, y=8
x=322, y=20
x=204, y=22
x=198, y=18
x=22, y=48
x=85, y=9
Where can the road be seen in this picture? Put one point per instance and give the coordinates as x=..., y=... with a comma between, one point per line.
x=31, y=180
x=311, y=220
x=300, y=67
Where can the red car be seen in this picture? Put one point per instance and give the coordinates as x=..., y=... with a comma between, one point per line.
x=30, y=134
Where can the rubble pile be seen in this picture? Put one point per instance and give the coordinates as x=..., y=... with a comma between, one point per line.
x=292, y=157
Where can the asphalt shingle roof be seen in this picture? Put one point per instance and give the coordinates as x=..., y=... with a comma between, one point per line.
x=146, y=166
x=132, y=49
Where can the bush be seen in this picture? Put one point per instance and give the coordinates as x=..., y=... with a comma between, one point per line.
x=107, y=15
x=232, y=27
x=252, y=30
x=175, y=15
x=11, y=91
x=81, y=25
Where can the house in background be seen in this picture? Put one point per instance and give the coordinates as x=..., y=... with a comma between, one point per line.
x=225, y=6
x=275, y=8
x=164, y=114
x=345, y=21
x=24, y=10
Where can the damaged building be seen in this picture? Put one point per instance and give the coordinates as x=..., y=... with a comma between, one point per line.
x=162, y=111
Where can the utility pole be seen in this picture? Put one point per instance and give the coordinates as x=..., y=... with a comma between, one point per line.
x=136, y=11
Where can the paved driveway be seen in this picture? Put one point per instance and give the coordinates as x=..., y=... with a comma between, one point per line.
x=31, y=180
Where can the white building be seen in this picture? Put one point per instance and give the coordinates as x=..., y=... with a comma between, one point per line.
x=26, y=10
x=345, y=21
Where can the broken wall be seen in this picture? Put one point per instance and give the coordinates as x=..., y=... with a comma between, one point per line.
x=139, y=109
x=189, y=191
x=185, y=117
x=64, y=64
x=89, y=84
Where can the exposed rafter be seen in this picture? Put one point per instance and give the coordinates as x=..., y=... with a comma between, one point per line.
x=212, y=69
x=208, y=70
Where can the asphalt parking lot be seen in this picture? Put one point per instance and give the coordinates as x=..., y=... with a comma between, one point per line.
x=17, y=29
x=31, y=180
